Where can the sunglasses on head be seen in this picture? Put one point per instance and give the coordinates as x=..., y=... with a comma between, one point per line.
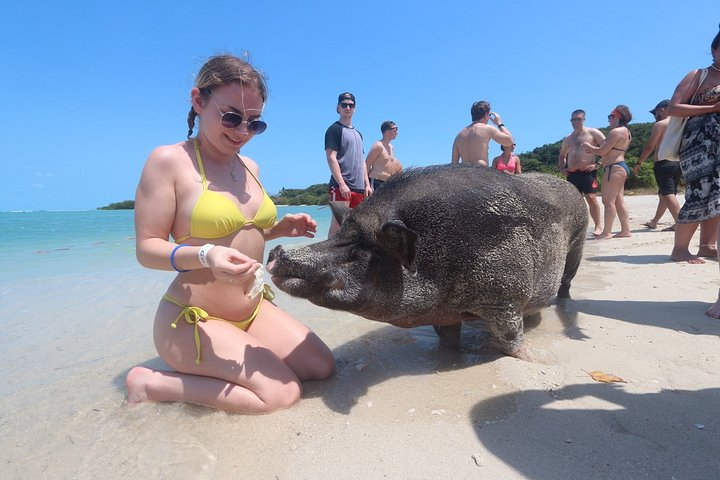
x=234, y=120
x=347, y=105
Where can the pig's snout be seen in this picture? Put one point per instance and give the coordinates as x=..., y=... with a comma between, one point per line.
x=272, y=257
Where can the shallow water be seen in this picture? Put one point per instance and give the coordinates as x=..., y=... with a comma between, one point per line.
x=72, y=329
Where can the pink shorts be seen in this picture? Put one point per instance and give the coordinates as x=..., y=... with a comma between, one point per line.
x=355, y=198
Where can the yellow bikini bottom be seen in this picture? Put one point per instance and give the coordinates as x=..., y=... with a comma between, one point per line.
x=194, y=315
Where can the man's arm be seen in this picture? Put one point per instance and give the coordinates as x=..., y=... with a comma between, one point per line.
x=652, y=143
x=372, y=156
x=562, y=157
x=335, y=171
x=455, y=152
x=597, y=136
x=502, y=135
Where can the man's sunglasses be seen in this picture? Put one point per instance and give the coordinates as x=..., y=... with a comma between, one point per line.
x=347, y=105
x=234, y=120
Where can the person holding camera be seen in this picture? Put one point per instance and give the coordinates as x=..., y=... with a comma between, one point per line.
x=471, y=144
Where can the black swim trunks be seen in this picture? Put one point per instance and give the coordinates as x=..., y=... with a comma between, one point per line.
x=375, y=183
x=586, y=182
x=667, y=176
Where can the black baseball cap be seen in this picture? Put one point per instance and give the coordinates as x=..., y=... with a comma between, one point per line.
x=663, y=104
x=346, y=96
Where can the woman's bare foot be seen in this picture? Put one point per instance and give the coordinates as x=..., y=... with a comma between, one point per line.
x=603, y=236
x=708, y=251
x=685, y=256
x=136, y=382
x=714, y=311
x=597, y=232
x=622, y=235
x=651, y=224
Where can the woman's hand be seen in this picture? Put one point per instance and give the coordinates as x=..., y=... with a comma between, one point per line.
x=295, y=225
x=229, y=265
x=589, y=148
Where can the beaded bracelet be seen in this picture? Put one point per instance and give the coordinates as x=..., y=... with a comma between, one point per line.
x=172, y=257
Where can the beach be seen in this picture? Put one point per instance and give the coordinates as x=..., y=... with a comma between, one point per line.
x=400, y=406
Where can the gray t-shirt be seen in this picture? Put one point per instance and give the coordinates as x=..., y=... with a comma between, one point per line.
x=348, y=143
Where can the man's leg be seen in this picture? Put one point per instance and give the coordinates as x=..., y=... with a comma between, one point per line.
x=672, y=204
x=659, y=212
x=594, y=208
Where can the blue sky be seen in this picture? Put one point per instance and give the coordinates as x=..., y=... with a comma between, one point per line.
x=92, y=87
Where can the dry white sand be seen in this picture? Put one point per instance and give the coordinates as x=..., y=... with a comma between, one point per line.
x=399, y=407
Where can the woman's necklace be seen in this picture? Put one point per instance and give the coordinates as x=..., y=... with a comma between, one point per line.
x=232, y=171
x=712, y=65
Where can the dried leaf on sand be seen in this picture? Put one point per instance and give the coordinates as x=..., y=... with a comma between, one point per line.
x=599, y=376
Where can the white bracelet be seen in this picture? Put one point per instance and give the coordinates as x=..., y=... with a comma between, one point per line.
x=202, y=254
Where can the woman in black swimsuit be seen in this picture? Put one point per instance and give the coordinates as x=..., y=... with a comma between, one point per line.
x=612, y=155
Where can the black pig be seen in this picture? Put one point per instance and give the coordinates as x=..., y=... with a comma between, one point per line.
x=443, y=244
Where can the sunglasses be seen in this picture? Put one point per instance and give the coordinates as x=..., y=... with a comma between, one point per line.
x=234, y=120
x=347, y=105
x=577, y=119
x=611, y=116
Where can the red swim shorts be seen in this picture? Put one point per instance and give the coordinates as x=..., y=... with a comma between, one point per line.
x=355, y=198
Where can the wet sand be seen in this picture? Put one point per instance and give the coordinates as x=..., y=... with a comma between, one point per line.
x=400, y=406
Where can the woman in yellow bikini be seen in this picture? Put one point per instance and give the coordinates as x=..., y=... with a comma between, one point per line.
x=232, y=348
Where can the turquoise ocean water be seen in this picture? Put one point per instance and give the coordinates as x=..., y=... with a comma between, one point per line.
x=52, y=243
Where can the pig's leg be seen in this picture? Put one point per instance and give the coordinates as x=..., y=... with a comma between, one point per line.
x=506, y=328
x=572, y=262
x=449, y=335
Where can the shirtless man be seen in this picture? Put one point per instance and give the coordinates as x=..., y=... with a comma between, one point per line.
x=579, y=166
x=471, y=144
x=381, y=161
x=667, y=172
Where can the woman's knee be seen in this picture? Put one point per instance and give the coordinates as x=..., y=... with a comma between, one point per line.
x=320, y=368
x=284, y=396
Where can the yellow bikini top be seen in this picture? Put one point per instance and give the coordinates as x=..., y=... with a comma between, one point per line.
x=216, y=216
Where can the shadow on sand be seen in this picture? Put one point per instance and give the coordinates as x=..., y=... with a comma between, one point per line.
x=601, y=431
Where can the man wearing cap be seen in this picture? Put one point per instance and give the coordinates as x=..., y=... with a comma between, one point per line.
x=349, y=183
x=471, y=144
x=667, y=172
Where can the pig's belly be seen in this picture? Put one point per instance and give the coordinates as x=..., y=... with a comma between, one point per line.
x=439, y=318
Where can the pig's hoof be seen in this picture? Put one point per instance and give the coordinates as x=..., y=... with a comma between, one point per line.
x=522, y=352
x=449, y=336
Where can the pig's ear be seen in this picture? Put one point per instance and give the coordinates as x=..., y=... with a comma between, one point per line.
x=340, y=211
x=399, y=242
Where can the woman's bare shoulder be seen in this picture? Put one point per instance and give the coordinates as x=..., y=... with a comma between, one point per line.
x=250, y=164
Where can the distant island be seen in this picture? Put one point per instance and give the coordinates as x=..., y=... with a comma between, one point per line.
x=541, y=159
x=124, y=205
